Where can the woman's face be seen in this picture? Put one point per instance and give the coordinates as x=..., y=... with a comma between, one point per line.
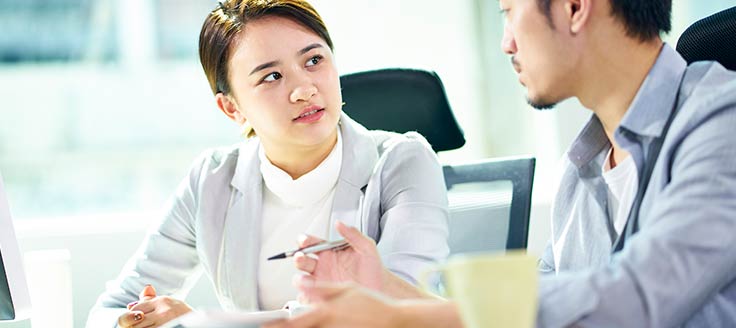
x=285, y=84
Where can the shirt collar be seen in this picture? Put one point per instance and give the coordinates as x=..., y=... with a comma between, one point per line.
x=647, y=114
x=650, y=109
x=590, y=142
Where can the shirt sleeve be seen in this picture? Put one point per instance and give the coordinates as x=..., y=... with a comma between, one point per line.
x=683, y=255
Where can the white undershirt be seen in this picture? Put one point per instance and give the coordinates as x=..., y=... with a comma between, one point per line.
x=622, y=183
x=291, y=208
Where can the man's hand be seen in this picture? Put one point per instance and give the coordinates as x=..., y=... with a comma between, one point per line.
x=345, y=305
x=348, y=305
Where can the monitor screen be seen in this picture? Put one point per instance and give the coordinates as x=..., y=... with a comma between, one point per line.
x=14, y=298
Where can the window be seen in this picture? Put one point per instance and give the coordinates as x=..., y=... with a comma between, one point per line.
x=101, y=108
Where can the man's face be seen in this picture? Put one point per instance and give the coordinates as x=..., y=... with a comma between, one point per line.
x=541, y=54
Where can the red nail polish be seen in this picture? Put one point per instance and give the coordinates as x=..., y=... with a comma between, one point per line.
x=132, y=304
x=137, y=317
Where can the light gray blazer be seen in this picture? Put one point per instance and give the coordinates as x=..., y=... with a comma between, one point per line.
x=390, y=186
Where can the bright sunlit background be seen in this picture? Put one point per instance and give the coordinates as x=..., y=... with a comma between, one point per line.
x=103, y=104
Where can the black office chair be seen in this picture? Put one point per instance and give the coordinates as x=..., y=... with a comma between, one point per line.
x=711, y=38
x=490, y=202
x=402, y=100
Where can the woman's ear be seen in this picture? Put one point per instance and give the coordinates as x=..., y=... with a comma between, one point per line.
x=228, y=106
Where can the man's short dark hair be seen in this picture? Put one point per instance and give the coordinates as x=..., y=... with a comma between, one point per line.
x=643, y=19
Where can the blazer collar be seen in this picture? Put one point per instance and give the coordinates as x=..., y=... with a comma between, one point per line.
x=242, y=231
x=360, y=153
x=247, y=168
x=359, y=157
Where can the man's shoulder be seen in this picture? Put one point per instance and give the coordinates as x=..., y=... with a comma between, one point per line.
x=708, y=92
x=709, y=85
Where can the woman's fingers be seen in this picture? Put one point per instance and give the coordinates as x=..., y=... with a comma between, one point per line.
x=130, y=318
x=305, y=263
x=147, y=293
x=359, y=242
x=308, y=240
x=144, y=306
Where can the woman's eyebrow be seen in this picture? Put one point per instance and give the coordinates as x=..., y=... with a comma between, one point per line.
x=264, y=66
x=309, y=47
x=277, y=62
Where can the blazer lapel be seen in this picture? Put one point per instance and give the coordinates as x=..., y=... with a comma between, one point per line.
x=242, y=238
x=358, y=160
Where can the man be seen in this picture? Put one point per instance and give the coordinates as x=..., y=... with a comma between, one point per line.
x=679, y=267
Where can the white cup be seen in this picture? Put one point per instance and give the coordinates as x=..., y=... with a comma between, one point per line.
x=50, y=286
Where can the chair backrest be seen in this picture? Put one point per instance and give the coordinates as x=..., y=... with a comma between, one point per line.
x=711, y=38
x=490, y=202
x=402, y=100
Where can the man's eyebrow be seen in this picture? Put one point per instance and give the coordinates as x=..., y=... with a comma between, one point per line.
x=264, y=66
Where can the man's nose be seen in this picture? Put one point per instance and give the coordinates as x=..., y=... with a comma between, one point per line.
x=508, y=43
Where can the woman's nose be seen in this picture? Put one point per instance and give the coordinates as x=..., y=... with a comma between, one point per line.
x=303, y=91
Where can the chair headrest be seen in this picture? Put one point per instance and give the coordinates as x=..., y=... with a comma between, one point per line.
x=711, y=38
x=402, y=100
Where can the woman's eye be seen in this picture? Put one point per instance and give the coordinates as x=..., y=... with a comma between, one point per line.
x=314, y=60
x=272, y=77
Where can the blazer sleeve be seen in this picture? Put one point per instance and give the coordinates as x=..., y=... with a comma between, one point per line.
x=414, y=220
x=167, y=259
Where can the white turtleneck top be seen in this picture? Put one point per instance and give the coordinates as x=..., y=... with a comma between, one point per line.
x=291, y=208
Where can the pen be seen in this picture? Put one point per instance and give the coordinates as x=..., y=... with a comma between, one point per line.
x=323, y=246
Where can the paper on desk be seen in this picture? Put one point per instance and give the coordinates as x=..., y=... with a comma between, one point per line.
x=226, y=319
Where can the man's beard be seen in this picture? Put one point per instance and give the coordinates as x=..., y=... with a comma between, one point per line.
x=541, y=104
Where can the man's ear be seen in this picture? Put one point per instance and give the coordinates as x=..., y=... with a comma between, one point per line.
x=578, y=12
x=228, y=106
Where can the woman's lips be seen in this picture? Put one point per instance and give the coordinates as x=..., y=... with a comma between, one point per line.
x=311, y=115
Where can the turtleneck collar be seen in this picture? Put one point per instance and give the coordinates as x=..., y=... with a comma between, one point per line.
x=309, y=188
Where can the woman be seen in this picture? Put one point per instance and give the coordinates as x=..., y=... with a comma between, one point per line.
x=305, y=167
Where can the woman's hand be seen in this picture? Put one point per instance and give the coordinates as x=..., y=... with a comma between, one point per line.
x=360, y=263
x=151, y=310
